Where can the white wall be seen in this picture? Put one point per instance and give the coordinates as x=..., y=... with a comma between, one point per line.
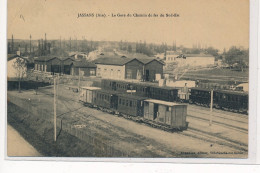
x=11, y=71
x=200, y=61
x=111, y=71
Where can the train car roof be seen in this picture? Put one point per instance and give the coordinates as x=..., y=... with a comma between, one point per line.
x=201, y=89
x=222, y=91
x=161, y=102
x=148, y=84
x=91, y=88
x=107, y=91
x=232, y=92
x=131, y=96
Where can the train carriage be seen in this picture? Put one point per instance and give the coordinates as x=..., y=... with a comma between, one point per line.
x=200, y=96
x=232, y=100
x=105, y=99
x=130, y=104
x=169, y=113
x=164, y=93
x=142, y=89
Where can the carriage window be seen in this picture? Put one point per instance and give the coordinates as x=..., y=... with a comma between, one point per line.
x=168, y=108
x=130, y=104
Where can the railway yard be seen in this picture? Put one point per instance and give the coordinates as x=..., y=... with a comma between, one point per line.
x=227, y=137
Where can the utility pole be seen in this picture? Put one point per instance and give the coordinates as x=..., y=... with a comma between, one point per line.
x=54, y=109
x=79, y=80
x=211, y=106
x=70, y=44
x=30, y=44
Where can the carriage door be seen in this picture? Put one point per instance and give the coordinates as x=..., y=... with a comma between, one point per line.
x=155, y=111
x=114, y=102
x=147, y=91
x=113, y=85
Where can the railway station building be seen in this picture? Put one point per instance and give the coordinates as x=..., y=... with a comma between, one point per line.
x=48, y=64
x=123, y=68
x=83, y=68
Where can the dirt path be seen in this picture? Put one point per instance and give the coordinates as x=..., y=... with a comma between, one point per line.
x=18, y=146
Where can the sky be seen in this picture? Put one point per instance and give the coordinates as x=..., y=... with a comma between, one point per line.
x=217, y=23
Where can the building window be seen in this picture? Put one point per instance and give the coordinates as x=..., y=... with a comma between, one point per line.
x=130, y=104
x=92, y=72
x=98, y=72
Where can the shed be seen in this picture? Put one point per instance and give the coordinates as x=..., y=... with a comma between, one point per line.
x=119, y=68
x=85, y=68
x=173, y=114
x=48, y=64
x=151, y=68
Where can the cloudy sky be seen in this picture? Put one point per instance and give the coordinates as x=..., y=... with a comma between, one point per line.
x=217, y=23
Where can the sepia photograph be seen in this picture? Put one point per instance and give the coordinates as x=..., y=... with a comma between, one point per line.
x=128, y=79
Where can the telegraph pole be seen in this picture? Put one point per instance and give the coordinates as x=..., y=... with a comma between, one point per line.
x=55, y=111
x=30, y=44
x=79, y=80
x=211, y=106
x=79, y=85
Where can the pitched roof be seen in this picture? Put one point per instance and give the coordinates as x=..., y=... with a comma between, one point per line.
x=197, y=55
x=12, y=56
x=45, y=58
x=84, y=64
x=117, y=60
x=146, y=60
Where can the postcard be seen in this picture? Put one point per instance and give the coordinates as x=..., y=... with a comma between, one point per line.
x=129, y=79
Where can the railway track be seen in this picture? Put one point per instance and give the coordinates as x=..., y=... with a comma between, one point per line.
x=242, y=130
x=212, y=138
x=223, y=114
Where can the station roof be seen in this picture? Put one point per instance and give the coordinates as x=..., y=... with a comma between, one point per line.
x=161, y=102
x=113, y=61
x=84, y=64
x=46, y=58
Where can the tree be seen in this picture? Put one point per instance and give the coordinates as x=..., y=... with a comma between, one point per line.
x=21, y=69
x=237, y=58
x=129, y=48
x=212, y=51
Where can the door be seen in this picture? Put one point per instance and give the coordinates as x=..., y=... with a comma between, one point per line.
x=147, y=75
x=155, y=111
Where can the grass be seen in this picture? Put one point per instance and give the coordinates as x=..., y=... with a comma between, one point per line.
x=221, y=72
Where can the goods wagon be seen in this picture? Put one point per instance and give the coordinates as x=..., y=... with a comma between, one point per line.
x=168, y=113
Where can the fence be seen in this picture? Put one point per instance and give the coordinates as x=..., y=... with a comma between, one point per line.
x=99, y=147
